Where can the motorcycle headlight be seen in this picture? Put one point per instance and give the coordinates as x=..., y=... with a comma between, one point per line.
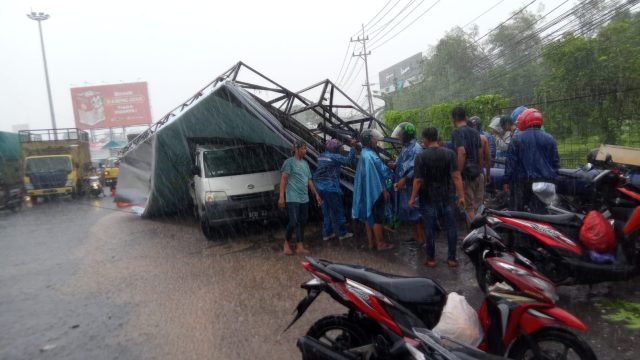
x=69, y=182
x=215, y=196
x=106, y=172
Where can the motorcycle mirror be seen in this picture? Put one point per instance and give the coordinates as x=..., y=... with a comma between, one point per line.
x=608, y=159
x=545, y=191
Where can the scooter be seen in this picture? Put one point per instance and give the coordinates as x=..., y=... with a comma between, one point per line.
x=95, y=186
x=551, y=242
x=518, y=317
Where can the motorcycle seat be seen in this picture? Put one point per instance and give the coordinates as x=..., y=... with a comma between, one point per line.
x=572, y=220
x=406, y=290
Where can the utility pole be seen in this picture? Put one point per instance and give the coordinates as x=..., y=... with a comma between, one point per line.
x=40, y=17
x=363, y=55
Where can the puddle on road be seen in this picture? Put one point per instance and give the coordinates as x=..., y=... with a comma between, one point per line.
x=624, y=311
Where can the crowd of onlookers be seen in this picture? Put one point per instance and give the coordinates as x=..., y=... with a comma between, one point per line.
x=428, y=183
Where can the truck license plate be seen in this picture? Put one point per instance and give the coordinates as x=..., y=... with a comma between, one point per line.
x=257, y=213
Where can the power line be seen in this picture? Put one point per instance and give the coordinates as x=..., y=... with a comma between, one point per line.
x=341, y=79
x=404, y=28
x=344, y=60
x=549, y=45
x=397, y=23
x=481, y=15
x=492, y=59
x=374, y=24
x=374, y=33
x=502, y=23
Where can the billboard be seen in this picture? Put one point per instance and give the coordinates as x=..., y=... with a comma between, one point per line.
x=106, y=106
x=401, y=75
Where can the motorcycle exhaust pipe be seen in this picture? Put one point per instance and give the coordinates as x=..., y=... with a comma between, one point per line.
x=314, y=349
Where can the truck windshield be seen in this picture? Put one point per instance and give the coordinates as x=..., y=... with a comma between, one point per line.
x=47, y=164
x=241, y=160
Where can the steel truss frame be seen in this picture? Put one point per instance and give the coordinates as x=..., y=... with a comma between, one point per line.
x=280, y=103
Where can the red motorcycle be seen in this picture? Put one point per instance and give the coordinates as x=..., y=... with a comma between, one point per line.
x=518, y=315
x=556, y=245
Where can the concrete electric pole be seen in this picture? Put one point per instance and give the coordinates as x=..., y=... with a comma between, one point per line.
x=363, y=55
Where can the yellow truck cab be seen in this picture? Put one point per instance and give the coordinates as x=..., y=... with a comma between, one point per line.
x=55, y=161
x=111, y=171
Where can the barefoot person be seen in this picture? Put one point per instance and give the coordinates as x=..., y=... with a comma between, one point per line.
x=295, y=183
x=371, y=190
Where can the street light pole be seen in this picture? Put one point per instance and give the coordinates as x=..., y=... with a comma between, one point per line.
x=40, y=17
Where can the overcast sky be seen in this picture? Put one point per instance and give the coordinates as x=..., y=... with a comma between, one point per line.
x=179, y=46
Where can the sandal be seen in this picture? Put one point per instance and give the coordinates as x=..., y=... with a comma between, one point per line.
x=430, y=263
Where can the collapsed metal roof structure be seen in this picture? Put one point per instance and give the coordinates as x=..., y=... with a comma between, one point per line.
x=239, y=106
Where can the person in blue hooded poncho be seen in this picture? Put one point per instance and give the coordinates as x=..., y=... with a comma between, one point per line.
x=403, y=178
x=371, y=186
x=327, y=181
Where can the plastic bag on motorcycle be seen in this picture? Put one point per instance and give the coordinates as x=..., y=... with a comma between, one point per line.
x=597, y=234
x=459, y=321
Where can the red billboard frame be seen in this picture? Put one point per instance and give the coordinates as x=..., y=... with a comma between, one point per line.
x=115, y=105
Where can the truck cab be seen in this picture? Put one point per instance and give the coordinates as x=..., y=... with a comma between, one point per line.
x=55, y=161
x=111, y=171
x=234, y=183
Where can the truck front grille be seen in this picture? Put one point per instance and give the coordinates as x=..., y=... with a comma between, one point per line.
x=49, y=180
x=266, y=195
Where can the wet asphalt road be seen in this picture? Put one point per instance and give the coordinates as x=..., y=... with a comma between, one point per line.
x=82, y=280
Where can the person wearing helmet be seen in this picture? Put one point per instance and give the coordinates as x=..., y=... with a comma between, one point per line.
x=516, y=112
x=371, y=186
x=403, y=178
x=326, y=178
x=503, y=138
x=476, y=123
x=532, y=157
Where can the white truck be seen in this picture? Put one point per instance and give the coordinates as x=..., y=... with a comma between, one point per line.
x=234, y=183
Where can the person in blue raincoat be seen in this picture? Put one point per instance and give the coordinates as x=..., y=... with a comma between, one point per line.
x=403, y=178
x=532, y=157
x=371, y=186
x=327, y=181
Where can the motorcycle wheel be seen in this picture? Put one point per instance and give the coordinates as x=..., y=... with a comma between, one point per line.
x=338, y=332
x=554, y=344
x=484, y=277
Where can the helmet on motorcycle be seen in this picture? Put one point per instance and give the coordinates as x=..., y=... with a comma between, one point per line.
x=517, y=112
x=528, y=118
x=404, y=132
x=367, y=135
x=332, y=145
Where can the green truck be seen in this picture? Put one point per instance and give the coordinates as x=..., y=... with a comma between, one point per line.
x=55, y=162
x=11, y=189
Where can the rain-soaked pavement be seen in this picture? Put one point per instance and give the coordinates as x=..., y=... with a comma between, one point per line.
x=82, y=280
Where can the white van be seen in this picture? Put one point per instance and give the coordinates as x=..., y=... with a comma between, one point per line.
x=236, y=183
